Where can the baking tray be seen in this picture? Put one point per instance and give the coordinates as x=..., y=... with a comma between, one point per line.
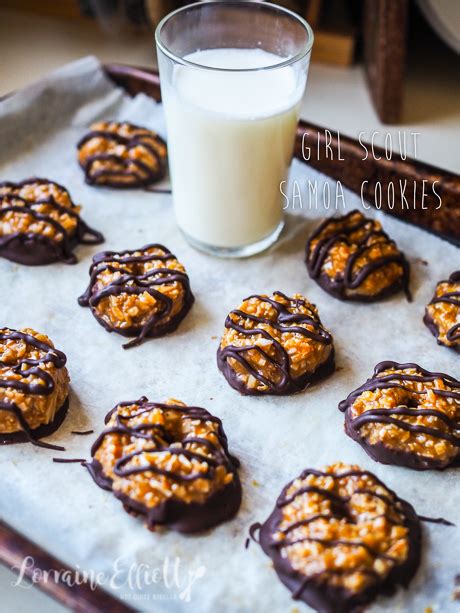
x=351, y=171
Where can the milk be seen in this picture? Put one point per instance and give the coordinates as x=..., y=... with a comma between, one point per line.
x=230, y=138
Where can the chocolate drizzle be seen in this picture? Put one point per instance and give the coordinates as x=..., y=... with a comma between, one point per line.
x=286, y=322
x=42, y=384
x=385, y=454
x=449, y=297
x=136, y=284
x=317, y=589
x=143, y=175
x=346, y=286
x=33, y=248
x=179, y=515
x=436, y=520
x=83, y=433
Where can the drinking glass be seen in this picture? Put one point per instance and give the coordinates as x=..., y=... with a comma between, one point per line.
x=232, y=74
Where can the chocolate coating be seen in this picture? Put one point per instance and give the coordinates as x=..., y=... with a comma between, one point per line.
x=347, y=285
x=401, y=457
x=132, y=283
x=35, y=248
x=112, y=161
x=317, y=589
x=185, y=517
x=286, y=322
x=453, y=298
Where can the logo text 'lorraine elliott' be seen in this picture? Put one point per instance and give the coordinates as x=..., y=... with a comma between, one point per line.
x=171, y=576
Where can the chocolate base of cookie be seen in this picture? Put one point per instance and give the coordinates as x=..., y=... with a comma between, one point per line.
x=42, y=431
x=433, y=328
x=384, y=455
x=330, y=599
x=293, y=387
x=186, y=518
x=136, y=184
x=138, y=333
x=35, y=251
x=339, y=291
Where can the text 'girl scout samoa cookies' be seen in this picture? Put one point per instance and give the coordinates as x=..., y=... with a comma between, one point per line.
x=169, y=463
x=352, y=258
x=275, y=345
x=143, y=293
x=34, y=387
x=40, y=224
x=338, y=537
x=122, y=155
x=406, y=415
x=442, y=315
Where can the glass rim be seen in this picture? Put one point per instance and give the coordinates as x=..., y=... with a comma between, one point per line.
x=306, y=49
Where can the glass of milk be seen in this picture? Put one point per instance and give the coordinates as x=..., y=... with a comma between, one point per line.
x=232, y=78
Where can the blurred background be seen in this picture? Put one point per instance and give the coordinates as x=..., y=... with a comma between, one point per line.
x=377, y=66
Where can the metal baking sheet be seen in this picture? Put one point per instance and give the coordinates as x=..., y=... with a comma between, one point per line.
x=58, y=505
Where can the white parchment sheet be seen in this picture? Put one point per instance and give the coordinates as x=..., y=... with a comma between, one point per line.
x=60, y=507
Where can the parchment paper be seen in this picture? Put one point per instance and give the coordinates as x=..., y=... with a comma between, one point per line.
x=60, y=507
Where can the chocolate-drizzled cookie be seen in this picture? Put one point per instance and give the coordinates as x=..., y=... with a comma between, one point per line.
x=442, y=315
x=169, y=463
x=406, y=415
x=352, y=258
x=120, y=154
x=275, y=345
x=338, y=537
x=40, y=224
x=142, y=293
x=34, y=387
